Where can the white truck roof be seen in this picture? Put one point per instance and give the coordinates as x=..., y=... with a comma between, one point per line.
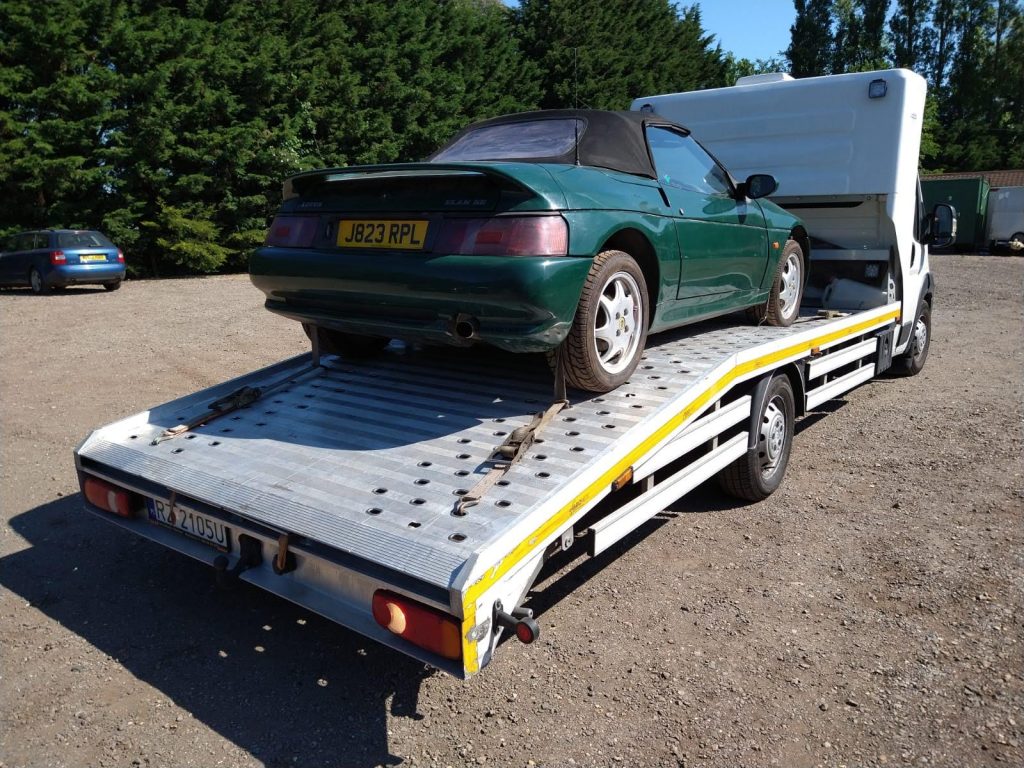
x=852, y=134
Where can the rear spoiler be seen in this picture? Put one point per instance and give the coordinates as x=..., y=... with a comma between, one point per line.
x=296, y=185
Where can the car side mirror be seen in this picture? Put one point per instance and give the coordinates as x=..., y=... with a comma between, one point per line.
x=942, y=226
x=758, y=185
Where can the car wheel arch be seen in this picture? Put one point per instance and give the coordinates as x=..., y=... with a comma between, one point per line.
x=636, y=244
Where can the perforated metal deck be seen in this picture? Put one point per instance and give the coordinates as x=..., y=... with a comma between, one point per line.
x=369, y=457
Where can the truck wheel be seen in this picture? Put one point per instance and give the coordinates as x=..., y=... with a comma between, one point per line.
x=758, y=473
x=911, y=362
x=346, y=344
x=787, y=287
x=609, y=330
x=38, y=285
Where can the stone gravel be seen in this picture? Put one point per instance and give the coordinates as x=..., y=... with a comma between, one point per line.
x=867, y=614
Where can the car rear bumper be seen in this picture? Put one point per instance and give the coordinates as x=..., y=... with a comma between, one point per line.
x=79, y=274
x=522, y=304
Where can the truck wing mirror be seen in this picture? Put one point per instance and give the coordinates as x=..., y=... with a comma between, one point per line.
x=758, y=185
x=942, y=226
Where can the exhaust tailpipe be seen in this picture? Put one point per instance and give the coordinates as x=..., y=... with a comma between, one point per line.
x=466, y=327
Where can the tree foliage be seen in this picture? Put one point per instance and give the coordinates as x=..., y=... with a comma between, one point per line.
x=970, y=51
x=592, y=53
x=169, y=124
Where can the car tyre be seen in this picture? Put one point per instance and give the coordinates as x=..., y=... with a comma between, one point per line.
x=112, y=286
x=757, y=474
x=783, y=305
x=346, y=344
x=911, y=362
x=609, y=331
x=36, y=282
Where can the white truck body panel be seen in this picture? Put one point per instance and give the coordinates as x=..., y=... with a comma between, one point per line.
x=846, y=163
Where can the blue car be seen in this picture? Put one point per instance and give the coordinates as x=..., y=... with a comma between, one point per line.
x=57, y=258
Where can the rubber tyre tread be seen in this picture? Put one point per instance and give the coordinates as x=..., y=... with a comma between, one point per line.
x=773, y=313
x=908, y=364
x=112, y=286
x=43, y=287
x=743, y=479
x=581, y=371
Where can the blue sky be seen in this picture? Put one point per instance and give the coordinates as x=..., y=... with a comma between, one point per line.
x=751, y=29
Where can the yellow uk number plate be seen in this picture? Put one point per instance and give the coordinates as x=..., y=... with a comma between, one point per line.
x=403, y=235
x=93, y=257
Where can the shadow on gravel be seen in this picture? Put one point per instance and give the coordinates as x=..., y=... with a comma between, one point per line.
x=281, y=683
x=70, y=291
x=817, y=414
x=555, y=583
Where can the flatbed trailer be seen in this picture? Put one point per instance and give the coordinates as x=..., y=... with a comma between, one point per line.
x=336, y=484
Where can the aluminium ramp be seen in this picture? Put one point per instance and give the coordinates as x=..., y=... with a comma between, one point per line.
x=368, y=458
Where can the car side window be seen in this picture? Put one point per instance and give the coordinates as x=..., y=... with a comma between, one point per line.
x=682, y=162
x=42, y=240
x=23, y=242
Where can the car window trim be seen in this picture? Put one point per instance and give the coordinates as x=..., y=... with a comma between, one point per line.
x=731, y=194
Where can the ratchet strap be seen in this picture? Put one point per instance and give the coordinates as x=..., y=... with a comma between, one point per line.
x=505, y=456
x=240, y=398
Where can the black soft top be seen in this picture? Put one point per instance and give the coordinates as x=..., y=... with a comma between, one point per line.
x=607, y=139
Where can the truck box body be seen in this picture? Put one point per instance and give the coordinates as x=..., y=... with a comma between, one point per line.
x=970, y=198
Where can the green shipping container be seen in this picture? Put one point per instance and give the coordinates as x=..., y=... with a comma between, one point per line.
x=970, y=198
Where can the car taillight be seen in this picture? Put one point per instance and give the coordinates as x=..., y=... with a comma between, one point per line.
x=120, y=255
x=505, y=236
x=58, y=257
x=292, y=231
x=109, y=497
x=421, y=625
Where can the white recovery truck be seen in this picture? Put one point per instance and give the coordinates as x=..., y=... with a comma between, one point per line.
x=341, y=485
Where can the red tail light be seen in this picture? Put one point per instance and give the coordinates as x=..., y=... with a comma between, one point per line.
x=109, y=497
x=58, y=257
x=292, y=231
x=120, y=255
x=421, y=625
x=505, y=236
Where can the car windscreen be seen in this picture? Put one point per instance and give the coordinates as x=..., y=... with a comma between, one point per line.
x=82, y=240
x=522, y=140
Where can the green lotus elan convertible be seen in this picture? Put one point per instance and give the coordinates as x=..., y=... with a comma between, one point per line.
x=582, y=228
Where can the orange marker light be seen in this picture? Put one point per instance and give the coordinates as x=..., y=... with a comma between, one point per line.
x=623, y=480
x=420, y=624
x=108, y=497
x=775, y=244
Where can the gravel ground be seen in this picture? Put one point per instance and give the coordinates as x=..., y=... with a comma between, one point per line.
x=869, y=613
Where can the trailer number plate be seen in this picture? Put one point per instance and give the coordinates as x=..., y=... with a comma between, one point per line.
x=191, y=523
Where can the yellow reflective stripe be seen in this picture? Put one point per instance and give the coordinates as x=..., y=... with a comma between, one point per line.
x=470, y=662
x=555, y=522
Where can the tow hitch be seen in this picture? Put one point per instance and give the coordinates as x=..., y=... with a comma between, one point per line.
x=250, y=554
